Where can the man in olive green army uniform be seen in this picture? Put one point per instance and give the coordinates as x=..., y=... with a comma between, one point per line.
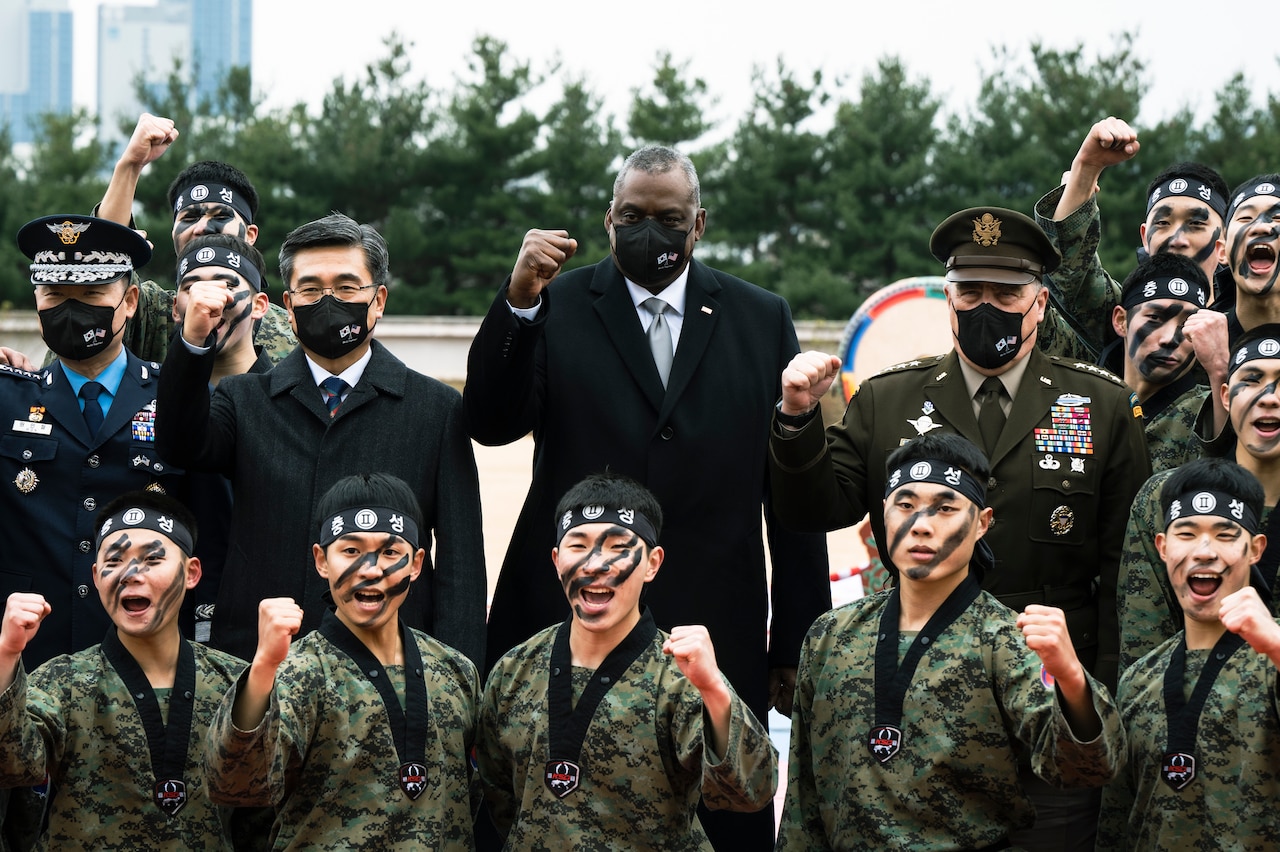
x=207, y=197
x=114, y=733
x=358, y=734
x=1156, y=359
x=1202, y=710
x=602, y=732
x=1148, y=608
x=1064, y=438
x=913, y=705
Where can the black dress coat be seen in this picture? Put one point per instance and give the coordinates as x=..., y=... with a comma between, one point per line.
x=272, y=436
x=581, y=377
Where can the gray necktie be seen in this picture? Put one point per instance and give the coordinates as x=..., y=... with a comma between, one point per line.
x=660, y=337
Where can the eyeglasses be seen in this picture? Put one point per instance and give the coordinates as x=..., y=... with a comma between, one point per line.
x=343, y=293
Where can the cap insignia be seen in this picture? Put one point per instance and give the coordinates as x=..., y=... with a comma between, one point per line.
x=986, y=230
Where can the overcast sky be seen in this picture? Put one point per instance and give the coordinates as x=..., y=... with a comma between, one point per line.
x=300, y=47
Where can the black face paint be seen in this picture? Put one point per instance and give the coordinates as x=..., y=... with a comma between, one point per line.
x=370, y=559
x=218, y=218
x=613, y=571
x=948, y=545
x=1235, y=390
x=242, y=297
x=170, y=596
x=1143, y=324
x=1242, y=242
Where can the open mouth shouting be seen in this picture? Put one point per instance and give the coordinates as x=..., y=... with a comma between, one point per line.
x=1261, y=257
x=1203, y=585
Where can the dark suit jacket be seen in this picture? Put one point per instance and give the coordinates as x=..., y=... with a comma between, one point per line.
x=582, y=378
x=1059, y=516
x=68, y=477
x=272, y=436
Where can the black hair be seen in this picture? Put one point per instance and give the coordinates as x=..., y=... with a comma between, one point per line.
x=369, y=489
x=1213, y=474
x=952, y=449
x=212, y=171
x=1163, y=264
x=612, y=489
x=1197, y=171
x=150, y=500
x=1270, y=177
x=336, y=230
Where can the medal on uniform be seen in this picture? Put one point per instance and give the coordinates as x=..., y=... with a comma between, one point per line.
x=26, y=480
x=567, y=724
x=37, y=414
x=413, y=779
x=884, y=742
x=885, y=738
x=1178, y=769
x=409, y=723
x=562, y=777
x=1178, y=766
x=170, y=796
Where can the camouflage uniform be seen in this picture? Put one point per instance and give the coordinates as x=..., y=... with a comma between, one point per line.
x=325, y=755
x=1231, y=802
x=1081, y=293
x=152, y=326
x=75, y=716
x=976, y=699
x=644, y=762
x=1171, y=432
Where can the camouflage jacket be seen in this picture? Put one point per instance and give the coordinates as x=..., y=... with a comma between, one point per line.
x=1081, y=293
x=1171, y=432
x=325, y=755
x=152, y=326
x=74, y=718
x=643, y=761
x=1230, y=803
x=976, y=700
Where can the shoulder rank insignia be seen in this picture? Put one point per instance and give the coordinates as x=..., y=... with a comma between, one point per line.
x=914, y=363
x=5, y=369
x=1095, y=370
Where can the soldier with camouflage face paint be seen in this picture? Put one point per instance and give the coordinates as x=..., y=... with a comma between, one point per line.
x=115, y=732
x=913, y=705
x=1202, y=711
x=604, y=727
x=1147, y=606
x=358, y=734
x=206, y=197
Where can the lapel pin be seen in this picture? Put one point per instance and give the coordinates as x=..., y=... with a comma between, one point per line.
x=706, y=310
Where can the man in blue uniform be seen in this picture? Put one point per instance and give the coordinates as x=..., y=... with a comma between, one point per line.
x=78, y=433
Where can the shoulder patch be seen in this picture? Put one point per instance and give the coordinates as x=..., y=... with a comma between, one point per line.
x=1092, y=369
x=913, y=364
x=1135, y=406
x=5, y=369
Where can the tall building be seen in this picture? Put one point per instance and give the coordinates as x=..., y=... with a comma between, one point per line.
x=204, y=37
x=35, y=63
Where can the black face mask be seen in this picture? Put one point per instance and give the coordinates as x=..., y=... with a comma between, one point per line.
x=647, y=252
x=988, y=336
x=332, y=328
x=78, y=331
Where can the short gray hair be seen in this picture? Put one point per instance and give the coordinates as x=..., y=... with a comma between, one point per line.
x=336, y=230
x=656, y=159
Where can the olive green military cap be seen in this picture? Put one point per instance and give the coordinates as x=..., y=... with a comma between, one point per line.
x=993, y=244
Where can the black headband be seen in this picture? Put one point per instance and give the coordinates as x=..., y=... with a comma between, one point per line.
x=1164, y=287
x=212, y=193
x=1256, y=349
x=1191, y=189
x=939, y=473
x=632, y=519
x=225, y=258
x=139, y=517
x=1215, y=504
x=369, y=519
x=1260, y=188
